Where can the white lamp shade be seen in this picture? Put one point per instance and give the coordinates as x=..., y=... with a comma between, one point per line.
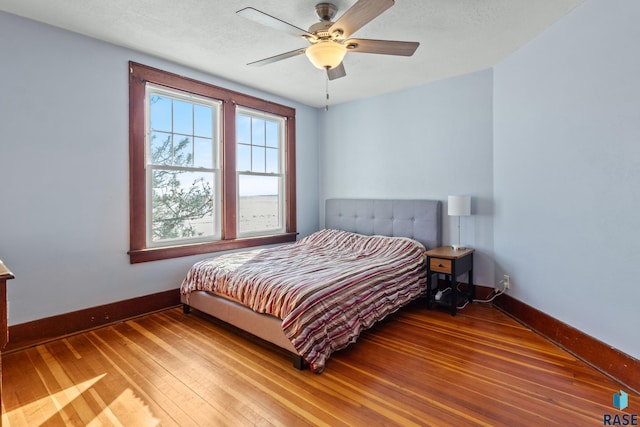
x=459, y=206
x=326, y=54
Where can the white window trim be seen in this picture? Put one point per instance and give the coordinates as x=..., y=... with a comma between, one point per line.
x=282, y=174
x=216, y=171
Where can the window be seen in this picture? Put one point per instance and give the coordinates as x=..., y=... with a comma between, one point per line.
x=183, y=173
x=210, y=169
x=259, y=168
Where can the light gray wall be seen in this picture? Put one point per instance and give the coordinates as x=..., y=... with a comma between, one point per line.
x=64, y=177
x=567, y=171
x=427, y=142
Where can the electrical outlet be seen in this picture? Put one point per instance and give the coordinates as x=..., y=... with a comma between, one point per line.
x=507, y=281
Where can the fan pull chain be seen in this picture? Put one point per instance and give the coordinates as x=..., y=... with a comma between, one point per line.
x=326, y=106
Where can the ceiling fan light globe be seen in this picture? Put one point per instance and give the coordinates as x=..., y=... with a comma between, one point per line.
x=326, y=54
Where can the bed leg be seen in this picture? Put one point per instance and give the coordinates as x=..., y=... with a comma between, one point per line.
x=186, y=309
x=298, y=362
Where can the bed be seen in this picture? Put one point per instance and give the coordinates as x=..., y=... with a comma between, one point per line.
x=316, y=296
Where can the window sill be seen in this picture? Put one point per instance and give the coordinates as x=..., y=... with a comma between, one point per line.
x=154, y=254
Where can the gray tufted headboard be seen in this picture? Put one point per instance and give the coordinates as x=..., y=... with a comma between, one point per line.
x=418, y=219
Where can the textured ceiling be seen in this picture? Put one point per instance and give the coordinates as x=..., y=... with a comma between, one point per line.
x=456, y=37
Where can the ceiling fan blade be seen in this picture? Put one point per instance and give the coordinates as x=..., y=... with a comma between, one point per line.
x=384, y=47
x=358, y=15
x=277, y=58
x=336, y=72
x=270, y=21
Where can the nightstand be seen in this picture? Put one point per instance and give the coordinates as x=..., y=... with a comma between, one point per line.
x=451, y=263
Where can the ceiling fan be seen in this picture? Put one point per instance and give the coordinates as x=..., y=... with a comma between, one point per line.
x=329, y=41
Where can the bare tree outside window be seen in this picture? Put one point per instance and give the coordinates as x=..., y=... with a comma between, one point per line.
x=182, y=204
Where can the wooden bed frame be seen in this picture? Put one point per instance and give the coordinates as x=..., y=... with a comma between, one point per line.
x=418, y=219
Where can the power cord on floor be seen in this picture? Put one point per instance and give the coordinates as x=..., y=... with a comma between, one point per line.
x=496, y=293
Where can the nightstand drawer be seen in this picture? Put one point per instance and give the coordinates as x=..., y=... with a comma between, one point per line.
x=440, y=265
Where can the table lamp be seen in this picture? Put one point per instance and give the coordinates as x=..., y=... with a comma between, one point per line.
x=459, y=206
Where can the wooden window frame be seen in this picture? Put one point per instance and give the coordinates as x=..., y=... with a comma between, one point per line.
x=139, y=76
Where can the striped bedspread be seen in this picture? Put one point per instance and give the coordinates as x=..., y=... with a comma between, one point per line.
x=327, y=287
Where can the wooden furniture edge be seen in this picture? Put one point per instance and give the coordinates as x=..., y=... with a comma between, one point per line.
x=5, y=275
x=448, y=252
x=620, y=366
x=42, y=330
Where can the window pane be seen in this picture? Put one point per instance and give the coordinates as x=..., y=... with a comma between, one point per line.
x=258, y=204
x=203, y=121
x=272, y=137
x=182, y=150
x=182, y=205
x=257, y=159
x=182, y=117
x=272, y=161
x=203, y=153
x=161, y=148
x=160, y=113
x=243, y=129
x=244, y=158
x=257, y=131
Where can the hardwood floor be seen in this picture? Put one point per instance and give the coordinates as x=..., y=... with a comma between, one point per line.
x=418, y=368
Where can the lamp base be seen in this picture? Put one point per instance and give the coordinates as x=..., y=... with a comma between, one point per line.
x=457, y=247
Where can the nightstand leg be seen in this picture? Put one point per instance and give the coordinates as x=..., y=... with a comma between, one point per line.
x=429, y=290
x=454, y=292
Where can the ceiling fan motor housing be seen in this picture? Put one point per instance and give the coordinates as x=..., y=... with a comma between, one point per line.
x=326, y=11
x=321, y=29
